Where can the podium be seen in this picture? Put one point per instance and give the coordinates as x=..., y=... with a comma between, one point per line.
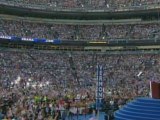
x=155, y=90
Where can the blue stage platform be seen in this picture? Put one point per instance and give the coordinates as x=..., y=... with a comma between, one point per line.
x=140, y=109
x=86, y=117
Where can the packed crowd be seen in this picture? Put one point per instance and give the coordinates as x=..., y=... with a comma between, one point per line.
x=26, y=29
x=41, y=84
x=102, y=4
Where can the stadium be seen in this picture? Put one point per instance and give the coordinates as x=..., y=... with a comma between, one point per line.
x=79, y=59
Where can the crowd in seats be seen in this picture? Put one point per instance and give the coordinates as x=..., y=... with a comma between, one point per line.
x=85, y=4
x=28, y=29
x=28, y=74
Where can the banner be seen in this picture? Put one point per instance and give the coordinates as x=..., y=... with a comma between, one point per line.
x=99, y=91
x=37, y=40
x=15, y=38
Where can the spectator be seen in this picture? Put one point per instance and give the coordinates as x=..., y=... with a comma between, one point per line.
x=28, y=29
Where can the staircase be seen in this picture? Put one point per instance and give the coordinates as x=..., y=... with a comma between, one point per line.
x=140, y=109
x=73, y=71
